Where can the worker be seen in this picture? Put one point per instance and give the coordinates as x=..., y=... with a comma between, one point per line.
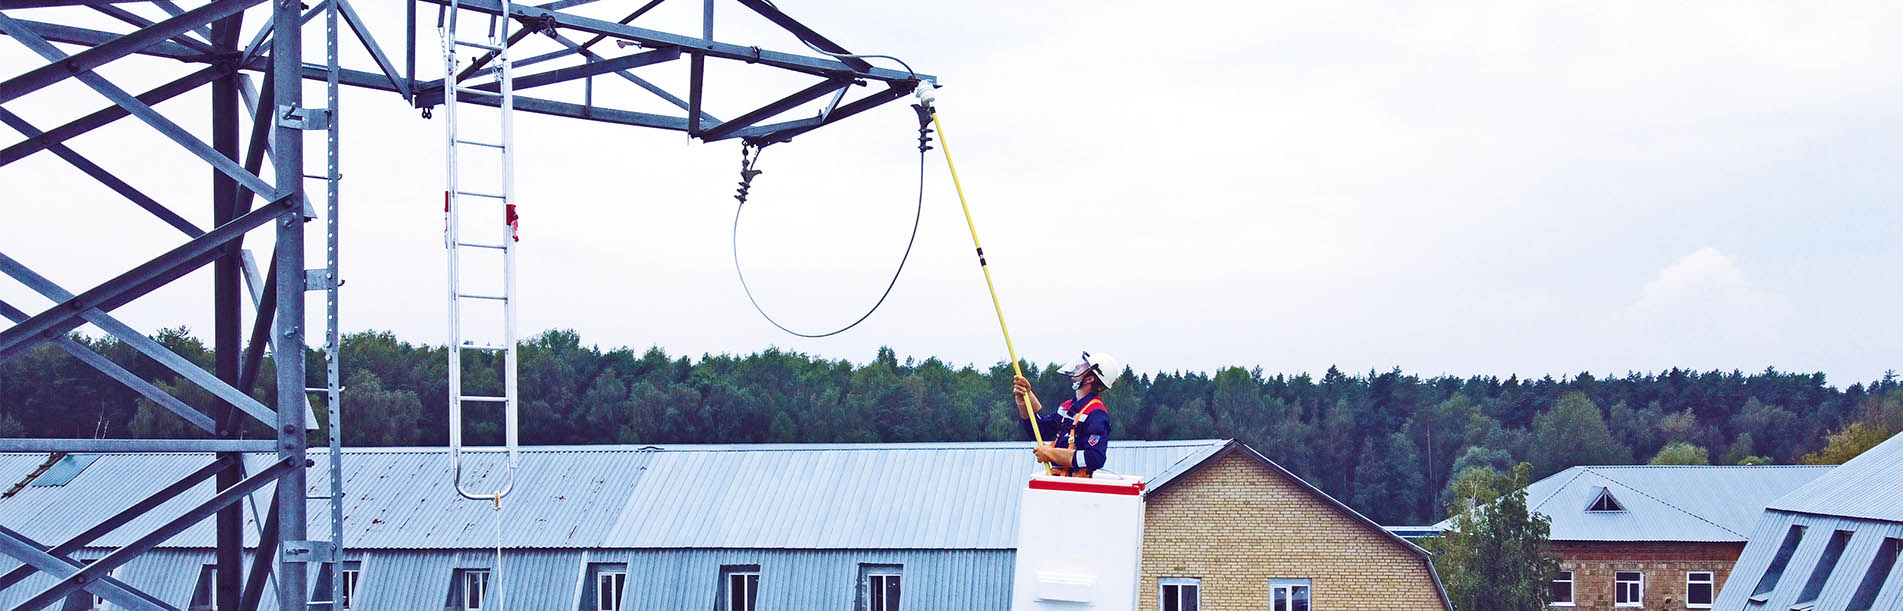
x=1080, y=430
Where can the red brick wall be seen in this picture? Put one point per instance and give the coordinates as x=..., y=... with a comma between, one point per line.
x=1664, y=564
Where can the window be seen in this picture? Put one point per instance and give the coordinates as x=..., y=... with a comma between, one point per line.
x=1826, y=565
x=321, y=585
x=471, y=587
x=1179, y=594
x=351, y=574
x=1698, y=589
x=1563, y=589
x=1628, y=589
x=739, y=587
x=1605, y=502
x=608, y=582
x=1866, y=596
x=1773, y=573
x=879, y=586
x=1288, y=595
x=204, y=595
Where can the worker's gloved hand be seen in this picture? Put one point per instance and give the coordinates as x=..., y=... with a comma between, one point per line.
x=1044, y=451
x=1027, y=402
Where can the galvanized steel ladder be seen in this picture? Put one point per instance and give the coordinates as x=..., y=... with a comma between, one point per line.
x=487, y=200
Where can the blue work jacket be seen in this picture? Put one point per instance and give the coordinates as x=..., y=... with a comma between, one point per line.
x=1091, y=438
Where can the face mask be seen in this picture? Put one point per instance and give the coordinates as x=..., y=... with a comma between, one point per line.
x=1074, y=385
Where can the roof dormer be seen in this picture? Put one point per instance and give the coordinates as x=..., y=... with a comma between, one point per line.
x=1604, y=502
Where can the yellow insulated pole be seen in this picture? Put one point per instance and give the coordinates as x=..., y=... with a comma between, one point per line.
x=945, y=144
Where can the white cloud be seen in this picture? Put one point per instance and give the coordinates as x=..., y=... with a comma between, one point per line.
x=1703, y=306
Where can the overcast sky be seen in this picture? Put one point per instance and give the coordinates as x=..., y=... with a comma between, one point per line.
x=1497, y=188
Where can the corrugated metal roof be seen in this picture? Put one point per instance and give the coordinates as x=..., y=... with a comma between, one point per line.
x=799, y=496
x=1870, y=486
x=890, y=496
x=51, y=514
x=1662, y=503
x=1866, y=542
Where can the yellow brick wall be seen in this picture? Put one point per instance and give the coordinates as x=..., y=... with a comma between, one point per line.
x=1236, y=523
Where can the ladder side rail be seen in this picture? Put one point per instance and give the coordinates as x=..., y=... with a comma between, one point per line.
x=446, y=29
x=512, y=431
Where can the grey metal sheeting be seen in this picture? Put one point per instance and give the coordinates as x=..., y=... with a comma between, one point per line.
x=808, y=515
x=1866, y=538
x=796, y=496
x=1662, y=503
x=1869, y=486
x=657, y=579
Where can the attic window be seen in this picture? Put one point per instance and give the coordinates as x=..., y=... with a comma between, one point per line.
x=1605, y=502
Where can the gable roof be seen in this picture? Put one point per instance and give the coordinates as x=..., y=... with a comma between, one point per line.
x=778, y=496
x=1870, y=486
x=1208, y=456
x=1662, y=503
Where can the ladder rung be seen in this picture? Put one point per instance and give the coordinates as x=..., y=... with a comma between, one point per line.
x=317, y=498
x=318, y=176
x=479, y=45
x=475, y=245
x=462, y=89
x=484, y=347
x=484, y=399
x=487, y=144
x=479, y=194
x=489, y=297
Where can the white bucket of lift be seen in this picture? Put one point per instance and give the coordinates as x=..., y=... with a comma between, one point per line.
x=1080, y=543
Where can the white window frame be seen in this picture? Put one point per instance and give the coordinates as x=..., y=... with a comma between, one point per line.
x=1616, y=587
x=1572, y=590
x=207, y=584
x=727, y=576
x=1290, y=585
x=873, y=577
x=477, y=579
x=350, y=577
x=610, y=580
x=1179, y=583
x=1711, y=579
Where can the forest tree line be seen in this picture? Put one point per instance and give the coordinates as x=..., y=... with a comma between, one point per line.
x=1387, y=442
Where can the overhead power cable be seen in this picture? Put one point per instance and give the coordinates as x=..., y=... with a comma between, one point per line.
x=750, y=156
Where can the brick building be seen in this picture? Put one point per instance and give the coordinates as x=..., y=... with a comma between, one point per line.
x=1653, y=537
x=1236, y=531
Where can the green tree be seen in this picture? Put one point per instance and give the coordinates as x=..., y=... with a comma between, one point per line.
x=1881, y=420
x=1388, y=480
x=1681, y=453
x=10, y=426
x=1493, y=559
x=1740, y=453
x=1774, y=427
x=378, y=416
x=1574, y=433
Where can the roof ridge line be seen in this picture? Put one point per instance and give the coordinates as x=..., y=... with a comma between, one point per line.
x=1556, y=489
x=1668, y=504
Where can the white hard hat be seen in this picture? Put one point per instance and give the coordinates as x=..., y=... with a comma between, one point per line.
x=1105, y=366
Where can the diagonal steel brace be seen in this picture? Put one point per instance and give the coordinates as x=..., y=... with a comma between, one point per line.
x=138, y=341
x=139, y=280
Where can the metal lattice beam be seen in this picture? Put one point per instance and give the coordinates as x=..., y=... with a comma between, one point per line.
x=204, y=36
